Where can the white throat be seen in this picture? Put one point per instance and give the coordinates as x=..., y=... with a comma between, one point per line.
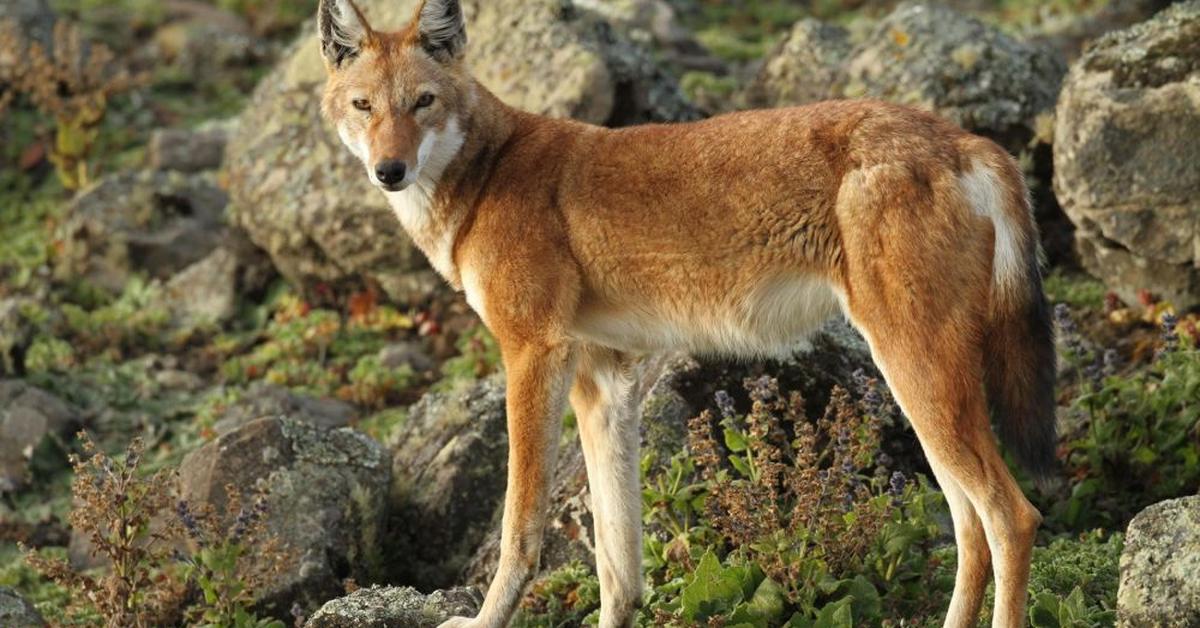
x=434, y=234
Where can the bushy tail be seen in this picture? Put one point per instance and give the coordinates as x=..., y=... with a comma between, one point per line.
x=1019, y=358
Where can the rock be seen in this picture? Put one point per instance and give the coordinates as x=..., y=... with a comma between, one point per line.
x=28, y=415
x=1159, y=566
x=264, y=400
x=805, y=67
x=928, y=56
x=17, y=612
x=396, y=607
x=1126, y=159
x=207, y=291
x=448, y=480
x=199, y=49
x=187, y=150
x=156, y=223
x=306, y=200
x=326, y=492
x=409, y=353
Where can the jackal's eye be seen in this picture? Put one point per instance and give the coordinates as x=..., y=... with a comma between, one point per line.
x=362, y=104
x=424, y=100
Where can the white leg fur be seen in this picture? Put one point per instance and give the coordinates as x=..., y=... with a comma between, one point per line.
x=608, y=431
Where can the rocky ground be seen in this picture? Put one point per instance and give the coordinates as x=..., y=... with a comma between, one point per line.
x=192, y=263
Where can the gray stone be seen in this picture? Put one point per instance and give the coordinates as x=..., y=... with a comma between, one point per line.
x=17, y=612
x=805, y=67
x=1159, y=566
x=304, y=198
x=264, y=400
x=448, y=480
x=1126, y=159
x=409, y=353
x=205, y=292
x=928, y=56
x=156, y=223
x=187, y=150
x=326, y=492
x=28, y=415
x=396, y=607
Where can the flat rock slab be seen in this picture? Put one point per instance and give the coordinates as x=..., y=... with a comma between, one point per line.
x=396, y=607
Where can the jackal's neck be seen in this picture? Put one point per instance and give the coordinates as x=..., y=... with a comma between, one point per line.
x=434, y=209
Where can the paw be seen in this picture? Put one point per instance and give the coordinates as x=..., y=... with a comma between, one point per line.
x=460, y=622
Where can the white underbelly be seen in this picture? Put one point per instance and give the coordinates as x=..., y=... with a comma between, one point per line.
x=766, y=320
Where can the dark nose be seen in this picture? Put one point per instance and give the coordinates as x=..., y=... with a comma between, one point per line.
x=390, y=172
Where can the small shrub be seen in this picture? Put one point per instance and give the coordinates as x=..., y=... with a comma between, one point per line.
x=114, y=509
x=224, y=567
x=71, y=83
x=479, y=356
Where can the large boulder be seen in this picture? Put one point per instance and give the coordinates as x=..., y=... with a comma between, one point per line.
x=396, y=607
x=28, y=416
x=155, y=223
x=17, y=612
x=306, y=200
x=928, y=56
x=326, y=494
x=448, y=480
x=1127, y=159
x=1159, y=565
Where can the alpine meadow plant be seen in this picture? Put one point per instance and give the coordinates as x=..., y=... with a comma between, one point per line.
x=1134, y=439
x=773, y=518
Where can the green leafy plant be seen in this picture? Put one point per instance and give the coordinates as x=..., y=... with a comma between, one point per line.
x=1135, y=438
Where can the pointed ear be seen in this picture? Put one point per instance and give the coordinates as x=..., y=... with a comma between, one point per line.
x=442, y=32
x=343, y=31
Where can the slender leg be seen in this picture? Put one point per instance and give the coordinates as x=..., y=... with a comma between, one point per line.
x=608, y=430
x=538, y=379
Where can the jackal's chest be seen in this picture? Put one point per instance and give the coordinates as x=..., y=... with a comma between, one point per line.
x=432, y=234
x=765, y=319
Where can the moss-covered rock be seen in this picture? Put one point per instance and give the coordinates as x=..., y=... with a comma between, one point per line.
x=326, y=491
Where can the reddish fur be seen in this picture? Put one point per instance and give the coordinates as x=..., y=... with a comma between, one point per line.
x=556, y=225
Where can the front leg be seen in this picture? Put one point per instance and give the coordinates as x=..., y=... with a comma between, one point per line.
x=539, y=376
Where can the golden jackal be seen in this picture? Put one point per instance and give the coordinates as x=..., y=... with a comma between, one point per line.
x=582, y=247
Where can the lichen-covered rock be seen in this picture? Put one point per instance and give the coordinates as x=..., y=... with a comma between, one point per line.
x=306, y=200
x=1126, y=157
x=17, y=612
x=396, y=607
x=188, y=150
x=448, y=474
x=207, y=291
x=157, y=223
x=33, y=18
x=1159, y=566
x=263, y=400
x=805, y=67
x=928, y=56
x=326, y=492
x=28, y=415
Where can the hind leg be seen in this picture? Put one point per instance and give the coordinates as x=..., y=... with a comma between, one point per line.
x=938, y=383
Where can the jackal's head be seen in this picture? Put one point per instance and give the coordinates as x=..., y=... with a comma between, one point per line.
x=396, y=98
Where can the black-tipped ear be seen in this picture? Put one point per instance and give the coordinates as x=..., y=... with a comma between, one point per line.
x=343, y=31
x=443, y=34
